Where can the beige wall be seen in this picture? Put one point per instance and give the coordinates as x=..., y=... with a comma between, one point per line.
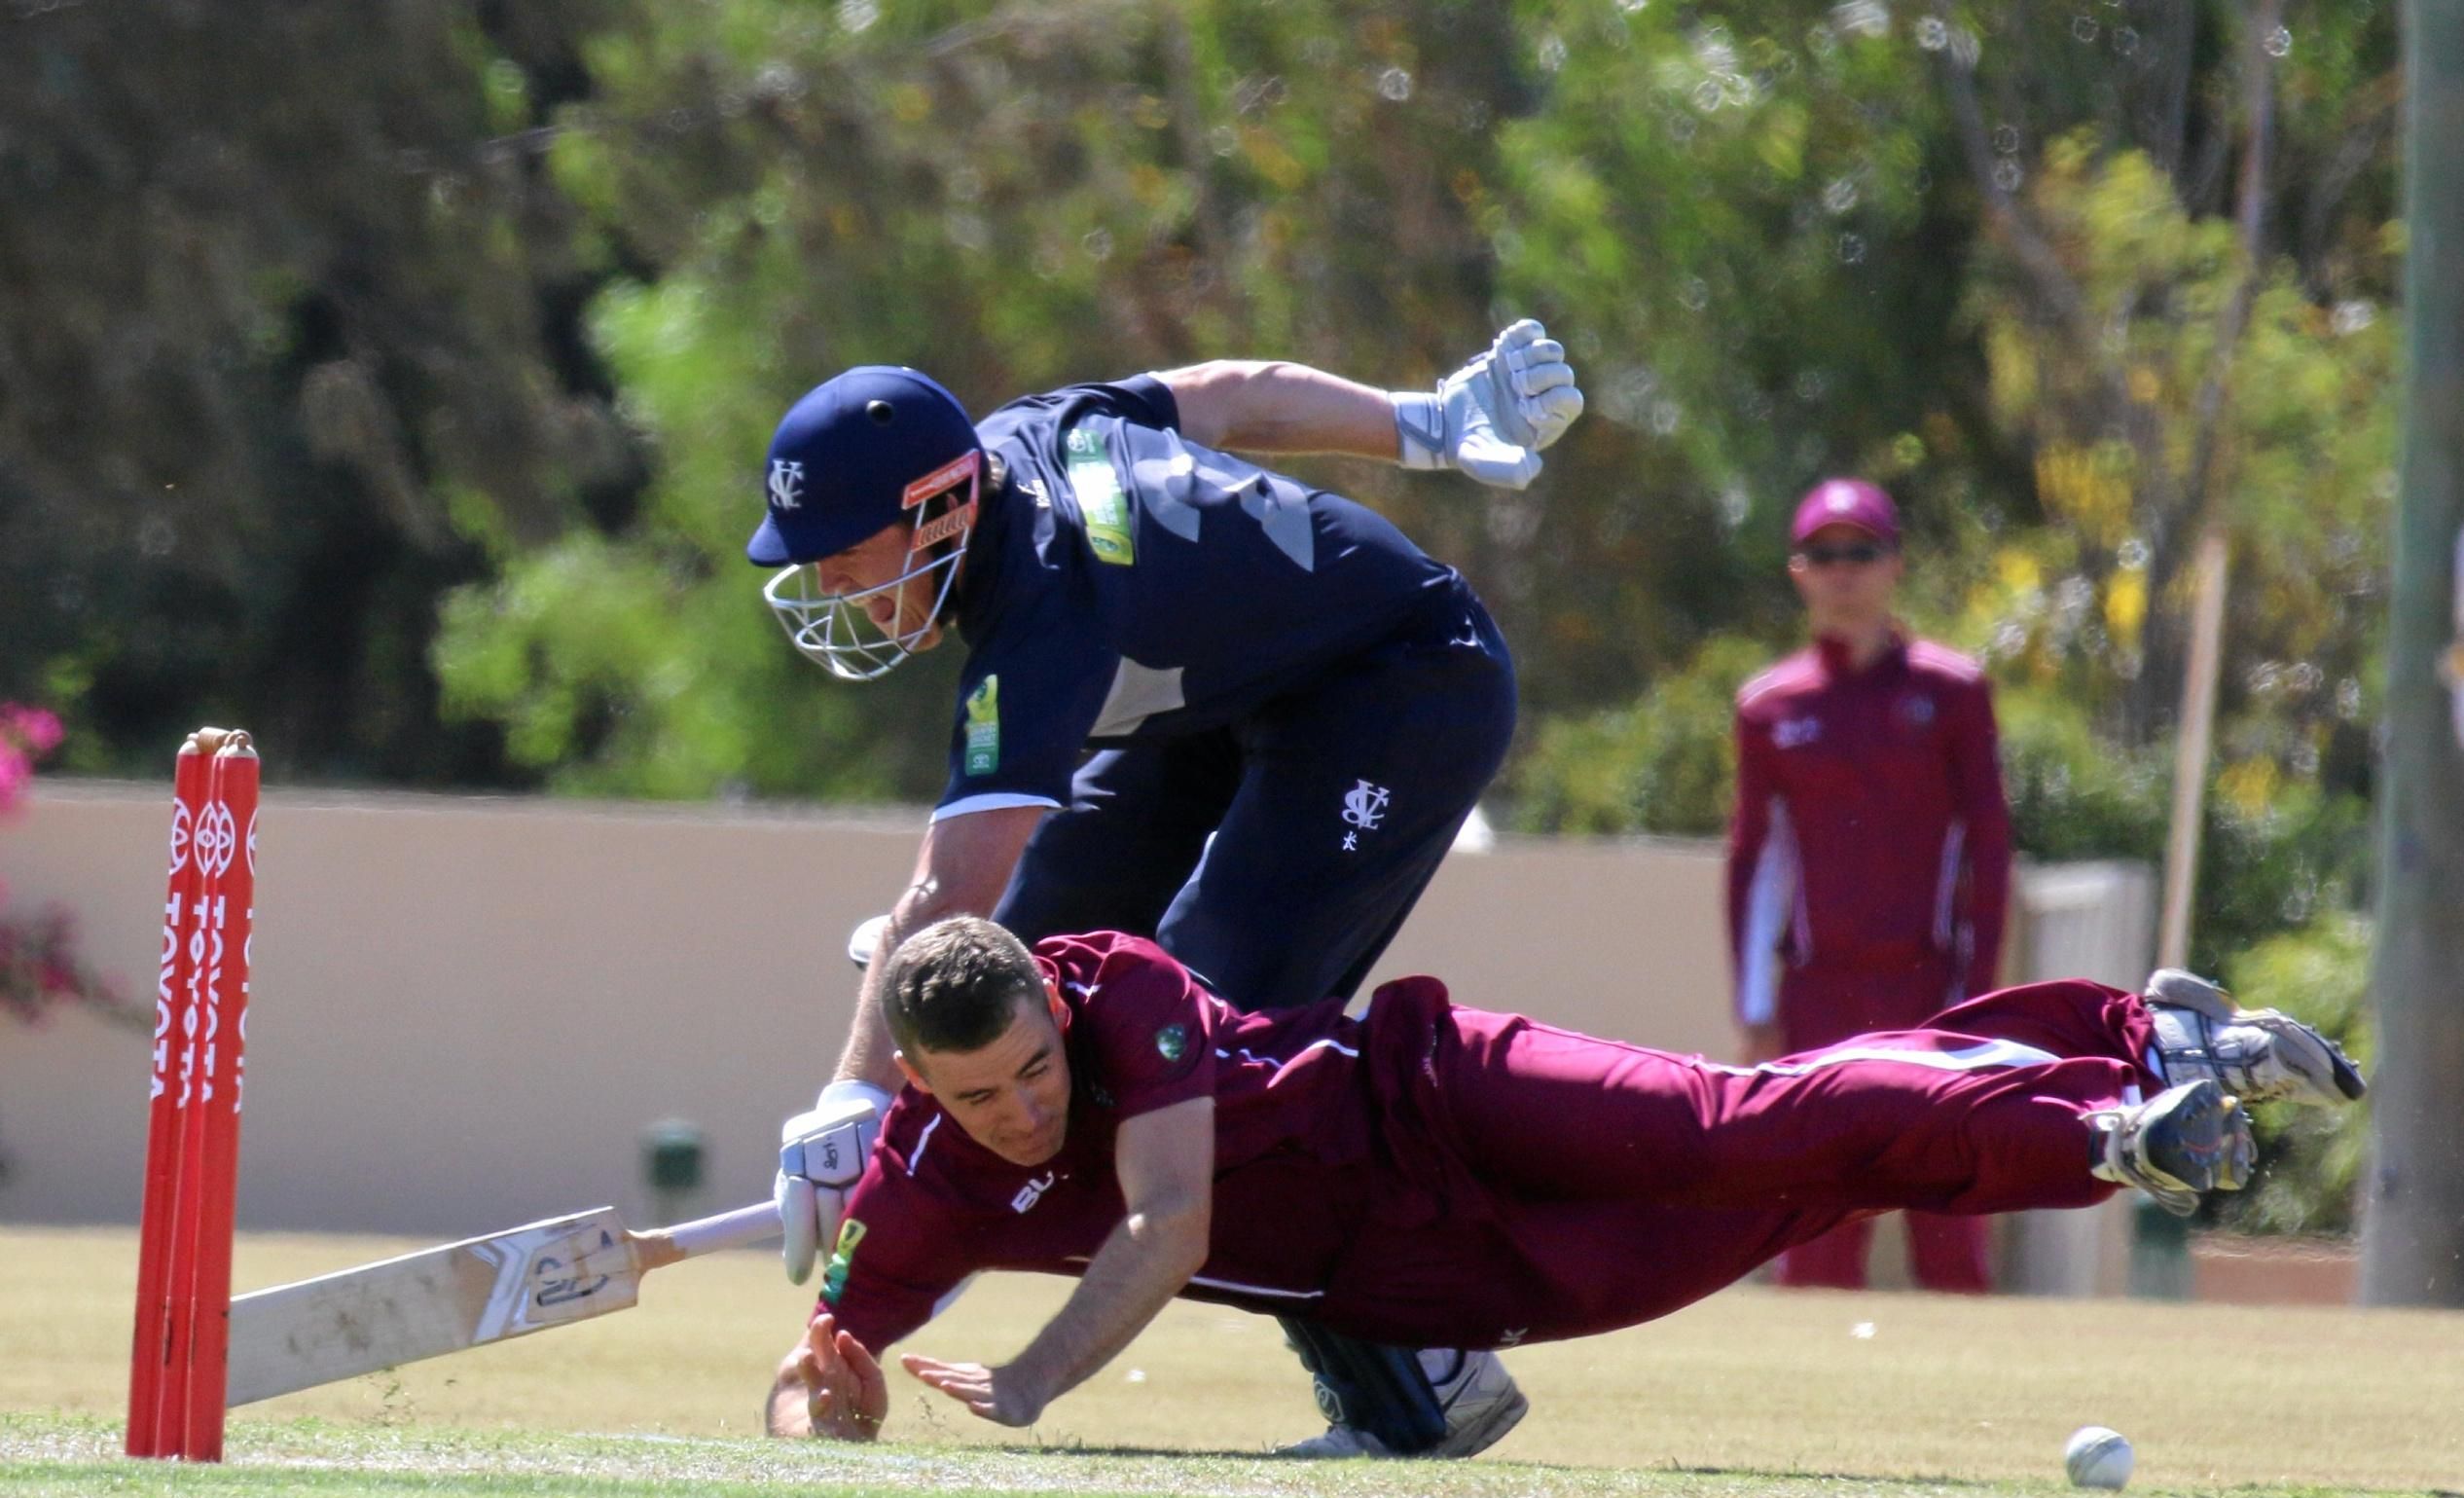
x=465, y=1010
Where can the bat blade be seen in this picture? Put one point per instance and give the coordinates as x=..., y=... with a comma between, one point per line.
x=437, y=1300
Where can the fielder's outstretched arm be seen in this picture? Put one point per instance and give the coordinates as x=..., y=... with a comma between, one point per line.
x=1166, y=1162
x=829, y=1384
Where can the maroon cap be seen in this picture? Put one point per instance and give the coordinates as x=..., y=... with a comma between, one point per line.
x=1846, y=503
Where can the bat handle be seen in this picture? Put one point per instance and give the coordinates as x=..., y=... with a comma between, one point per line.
x=728, y=1230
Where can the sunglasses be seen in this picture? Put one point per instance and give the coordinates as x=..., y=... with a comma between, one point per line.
x=1861, y=554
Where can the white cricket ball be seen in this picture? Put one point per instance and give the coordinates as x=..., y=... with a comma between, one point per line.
x=2097, y=1457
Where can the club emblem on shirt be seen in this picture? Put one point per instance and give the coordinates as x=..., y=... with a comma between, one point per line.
x=787, y=485
x=1364, y=806
x=984, y=727
x=1916, y=712
x=1792, y=733
x=1170, y=1041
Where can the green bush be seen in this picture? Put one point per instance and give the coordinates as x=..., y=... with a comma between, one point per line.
x=1666, y=764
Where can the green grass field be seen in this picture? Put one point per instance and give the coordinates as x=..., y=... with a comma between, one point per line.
x=1752, y=1392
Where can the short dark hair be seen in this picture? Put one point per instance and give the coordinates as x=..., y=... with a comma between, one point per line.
x=955, y=985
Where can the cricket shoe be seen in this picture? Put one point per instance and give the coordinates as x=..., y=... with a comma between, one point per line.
x=2258, y=1055
x=1481, y=1401
x=2190, y=1140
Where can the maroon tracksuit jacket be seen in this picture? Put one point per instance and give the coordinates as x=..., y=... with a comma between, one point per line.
x=1439, y=1177
x=1870, y=860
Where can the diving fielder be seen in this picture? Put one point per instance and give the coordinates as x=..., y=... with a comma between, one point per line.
x=1293, y=707
x=1433, y=1174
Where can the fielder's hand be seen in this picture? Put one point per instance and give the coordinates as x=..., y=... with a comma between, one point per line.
x=845, y=1396
x=821, y=1155
x=1493, y=417
x=994, y=1394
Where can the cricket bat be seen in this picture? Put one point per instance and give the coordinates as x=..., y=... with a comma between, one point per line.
x=461, y=1294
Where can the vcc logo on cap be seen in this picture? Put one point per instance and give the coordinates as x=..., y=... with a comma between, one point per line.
x=787, y=485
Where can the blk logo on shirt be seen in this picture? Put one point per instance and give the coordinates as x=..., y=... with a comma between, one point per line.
x=1031, y=1193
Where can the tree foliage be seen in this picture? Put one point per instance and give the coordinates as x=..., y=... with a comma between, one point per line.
x=397, y=383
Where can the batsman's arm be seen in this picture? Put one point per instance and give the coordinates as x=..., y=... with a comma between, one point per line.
x=1272, y=405
x=1166, y=1164
x=961, y=869
x=1490, y=419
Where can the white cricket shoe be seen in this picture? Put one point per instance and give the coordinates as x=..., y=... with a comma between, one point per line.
x=2260, y=1055
x=1481, y=1401
x=2188, y=1141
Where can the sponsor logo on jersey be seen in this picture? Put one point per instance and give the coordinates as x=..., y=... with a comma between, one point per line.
x=1170, y=1041
x=842, y=1258
x=1794, y=732
x=787, y=485
x=984, y=727
x=1031, y=1193
x=1110, y=533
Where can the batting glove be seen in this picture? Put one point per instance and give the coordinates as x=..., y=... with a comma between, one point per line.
x=1494, y=417
x=821, y=1155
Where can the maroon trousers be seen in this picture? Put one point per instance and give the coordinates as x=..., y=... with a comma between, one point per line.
x=1625, y=1183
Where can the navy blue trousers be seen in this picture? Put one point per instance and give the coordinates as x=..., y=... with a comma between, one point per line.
x=1276, y=856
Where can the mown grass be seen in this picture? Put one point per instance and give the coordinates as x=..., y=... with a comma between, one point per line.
x=1755, y=1391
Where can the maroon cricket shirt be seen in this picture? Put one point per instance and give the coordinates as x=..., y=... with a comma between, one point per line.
x=1872, y=840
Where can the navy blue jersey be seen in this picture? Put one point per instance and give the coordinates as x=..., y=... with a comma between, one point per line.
x=1131, y=585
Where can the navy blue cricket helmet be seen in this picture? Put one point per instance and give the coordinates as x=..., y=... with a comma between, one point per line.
x=845, y=458
x=874, y=447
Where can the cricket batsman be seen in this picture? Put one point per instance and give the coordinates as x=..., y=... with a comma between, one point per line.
x=1430, y=1175
x=1293, y=707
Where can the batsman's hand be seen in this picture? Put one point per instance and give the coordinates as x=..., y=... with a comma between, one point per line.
x=821, y=1155
x=845, y=1396
x=1493, y=417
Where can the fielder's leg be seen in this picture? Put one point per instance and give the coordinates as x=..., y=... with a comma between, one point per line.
x=2031, y=1097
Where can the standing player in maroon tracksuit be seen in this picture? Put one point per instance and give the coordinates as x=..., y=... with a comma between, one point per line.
x=1870, y=860
x=1433, y=1175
